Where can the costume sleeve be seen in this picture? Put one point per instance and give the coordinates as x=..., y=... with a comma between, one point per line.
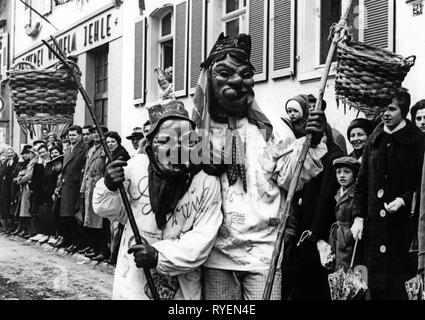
x=179, y=256
x=108, y=204
x=361, y=188
x=286, y=164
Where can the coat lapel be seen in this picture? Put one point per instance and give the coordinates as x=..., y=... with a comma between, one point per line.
x=77, y=149
x=96, y=155
x=345, y=197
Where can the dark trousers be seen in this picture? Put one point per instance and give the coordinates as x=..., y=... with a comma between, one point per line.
x=99, y=239
x=304, y=278
x=47, y=219
x=69, y=230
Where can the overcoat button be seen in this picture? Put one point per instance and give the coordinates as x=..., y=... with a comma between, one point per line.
x=383, y=249
x=381, y=193
x=383, y=213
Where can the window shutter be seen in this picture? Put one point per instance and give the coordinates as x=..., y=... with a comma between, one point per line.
x=258, y=30
x=378, y=20
x=197, y=40
x=139, y=62
x=180, y=49
x=4, y=54
x=282, y=38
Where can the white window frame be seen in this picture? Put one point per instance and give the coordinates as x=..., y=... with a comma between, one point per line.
x=162, y=39
x=318, y=31
x=241, y=14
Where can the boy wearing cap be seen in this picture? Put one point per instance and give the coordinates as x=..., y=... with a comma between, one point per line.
x=389, y=175
x=341, y=239
x=177, y=208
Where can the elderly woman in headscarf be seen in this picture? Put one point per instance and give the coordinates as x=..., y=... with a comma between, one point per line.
x=7, y=188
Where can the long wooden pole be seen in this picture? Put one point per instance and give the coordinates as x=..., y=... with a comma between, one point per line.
x=39, y=14
x=277, y=252
x=138, y=238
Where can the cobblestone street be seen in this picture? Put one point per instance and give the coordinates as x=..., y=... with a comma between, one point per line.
x=33, y=272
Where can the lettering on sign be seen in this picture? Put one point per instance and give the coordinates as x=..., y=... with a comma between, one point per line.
x=97, y=30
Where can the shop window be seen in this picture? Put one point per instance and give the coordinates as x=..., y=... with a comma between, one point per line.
x=234, y=17
x=101, y=86
x=330, y=13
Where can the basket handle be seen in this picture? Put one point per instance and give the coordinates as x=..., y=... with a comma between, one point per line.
x=16, y=65
x=411, y=60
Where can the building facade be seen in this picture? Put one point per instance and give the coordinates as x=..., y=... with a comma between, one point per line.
x=118, y=49
x=6, y=116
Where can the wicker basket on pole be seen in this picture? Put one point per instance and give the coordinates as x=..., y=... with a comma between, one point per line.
x=43, y=97
x=368, y=77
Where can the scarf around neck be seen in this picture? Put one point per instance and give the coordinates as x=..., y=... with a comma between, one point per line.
x=166, y=191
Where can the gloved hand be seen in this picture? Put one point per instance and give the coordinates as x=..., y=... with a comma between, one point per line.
x=145, y=256
x=114, y=174
x=357, y=229
x=394, y=206
x=316, y=126
x=327, y=257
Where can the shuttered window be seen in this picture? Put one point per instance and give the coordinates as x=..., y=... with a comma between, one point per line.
x=197, y=40
x=139, y=62
x=4, y=54
x=282, y=37
x=258, y=30
x=180, y=49
x=378, y=23
x=101, y=86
